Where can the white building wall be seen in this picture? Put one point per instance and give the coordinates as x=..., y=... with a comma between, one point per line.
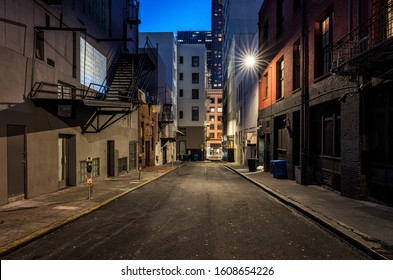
x=20, y=70
x=194, y=139
x=186, y=102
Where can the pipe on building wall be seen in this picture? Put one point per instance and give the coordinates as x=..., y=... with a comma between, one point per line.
x=349, y=16
x=304, y=102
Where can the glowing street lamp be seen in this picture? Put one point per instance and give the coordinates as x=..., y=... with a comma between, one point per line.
x=250, y=61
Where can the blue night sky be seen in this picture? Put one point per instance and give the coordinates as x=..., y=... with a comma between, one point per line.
x=175, y=15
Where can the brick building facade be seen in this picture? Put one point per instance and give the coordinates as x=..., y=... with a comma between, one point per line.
x=324, y=104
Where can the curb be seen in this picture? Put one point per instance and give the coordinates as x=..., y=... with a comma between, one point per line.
x=10, y=247
x=338, y=229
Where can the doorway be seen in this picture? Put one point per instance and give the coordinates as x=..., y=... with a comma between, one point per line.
x=66, y=160
x=111, y=158
x=147, y=151
x=16, y=162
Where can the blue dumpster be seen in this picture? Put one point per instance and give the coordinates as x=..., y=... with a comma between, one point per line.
x=195, y=157
x=279, y=168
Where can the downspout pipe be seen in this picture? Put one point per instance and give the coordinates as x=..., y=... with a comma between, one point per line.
x=304, y=102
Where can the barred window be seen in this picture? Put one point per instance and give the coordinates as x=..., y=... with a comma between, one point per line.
x=83, y=171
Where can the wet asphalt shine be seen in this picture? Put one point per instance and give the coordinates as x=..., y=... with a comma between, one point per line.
x=199, y=211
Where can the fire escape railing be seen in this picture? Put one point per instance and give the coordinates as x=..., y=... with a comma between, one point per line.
x=49, y=91
x=373, y=33
x=147, y=63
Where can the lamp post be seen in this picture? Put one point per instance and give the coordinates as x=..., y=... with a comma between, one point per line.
x=254, y=62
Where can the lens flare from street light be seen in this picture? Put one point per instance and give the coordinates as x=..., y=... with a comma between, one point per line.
x=250, y=61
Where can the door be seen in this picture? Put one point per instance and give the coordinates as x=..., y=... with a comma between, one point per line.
x=164, y=155
x=16, y=161
x=111, y=158
x=67, y=160
x=147, y=159
x=133, y=155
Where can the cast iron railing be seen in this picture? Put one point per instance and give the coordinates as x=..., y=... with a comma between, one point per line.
x=373, y=33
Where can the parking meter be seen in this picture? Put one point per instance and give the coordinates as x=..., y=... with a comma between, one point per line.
x=140, y=157
x=89, y=164
x=89, y=167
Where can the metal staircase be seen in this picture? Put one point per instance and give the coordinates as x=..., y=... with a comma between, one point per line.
x=165, y=123
x=122, y=92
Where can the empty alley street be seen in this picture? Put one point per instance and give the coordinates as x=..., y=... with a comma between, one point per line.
x=199, y=211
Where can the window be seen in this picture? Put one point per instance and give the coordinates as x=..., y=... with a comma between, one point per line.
x=195, y=113
x=280, y=79
x=212, y=110
x=266, y=77
x=195, y=93
x=280, y=17
x=327, y=125
x=211, y=100
x=211, y=135
x=181, y=92
x=296, y=65
x=181, y=76
x=195, y=61
x=212, y=118
x=331, y=135
x=39, y=44
x=211, y=127
x=195, y=78
x=92, y=66
x=181, y=59
x=95, y=172
x=180, y=114
x=219, y=109
x=239, y=115
x=219, y=100
x=324, y=34
x=326, y=44
x=282, y=138
x=122, y=165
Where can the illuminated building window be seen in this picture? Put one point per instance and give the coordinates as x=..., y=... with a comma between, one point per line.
x=93, y=66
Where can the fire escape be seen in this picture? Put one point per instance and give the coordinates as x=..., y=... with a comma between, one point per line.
x=367, y=52
x=101, y=105
x=368, y=49
x=166, y=122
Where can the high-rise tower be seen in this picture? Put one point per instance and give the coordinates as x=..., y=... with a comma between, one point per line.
x=217, y=30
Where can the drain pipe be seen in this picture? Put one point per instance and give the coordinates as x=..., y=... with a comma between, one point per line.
x=304, y=102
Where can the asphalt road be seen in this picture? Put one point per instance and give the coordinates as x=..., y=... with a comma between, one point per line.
x=199, y=211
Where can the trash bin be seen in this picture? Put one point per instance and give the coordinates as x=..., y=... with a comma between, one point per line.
x=252, y=164
x=186, y=157
x=231, y=155
x=195, y=157
x=279, y=168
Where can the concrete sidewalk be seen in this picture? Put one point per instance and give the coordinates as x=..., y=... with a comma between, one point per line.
x=366, y=224
x=26, y=220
